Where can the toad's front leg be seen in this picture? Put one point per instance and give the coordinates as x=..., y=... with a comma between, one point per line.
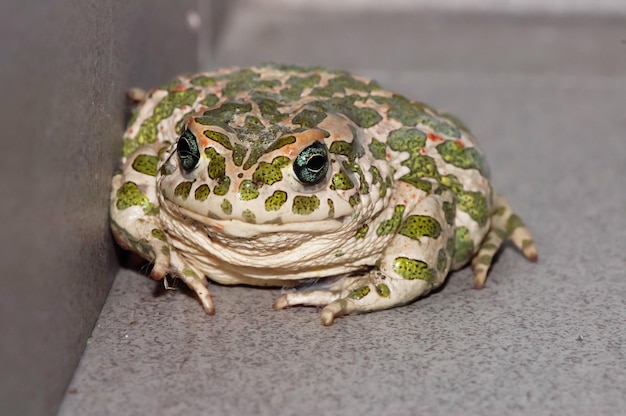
x=137, y=226
x=415, y=262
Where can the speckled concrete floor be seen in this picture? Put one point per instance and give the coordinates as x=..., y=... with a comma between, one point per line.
x=545, y=338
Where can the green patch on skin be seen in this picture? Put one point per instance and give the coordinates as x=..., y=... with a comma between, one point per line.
x=362, y=232
x=158, y=234
x=255, y=153
x=484, y=260
x=475, y=204
x=451, y=247
x=352, y=150
x=361, y=116
x=280, y=142
x=391, y=225
x=253, y=125
x=182, y=190
x=383, y=290
x=297, y=84
x=239, y=153
x=210, y=100
x=202, y=192
x=248, y=216
x=406, y=140
x=402, y=109
x=224, y=114
x=227, y=207
x=378, y=179
x=418, y=226
x=331, y=208
x=202, y=81
x=309, y=118
x=327, y=91
x=420, y=167
x=489, y=246
x=248, y=190
x=378, y=149
x=341, y=181
x=438, y=126
x=275, y=201
x=269, y=109
x=146, y=164
x=498, y=211
x=342, y=147
x=354, y=200
x=366, y=117
x=270, y=173
x=217, y=164
x=412, y=269
x=290, y=94
x=129, y=195
x=242, y=80
x=339, y=253
x=188, y=272
x=513, y=223
x=356, y=168
x=449, y=211
x=447, y=129
x=346, y=81
x=148, y=130
x=442, y=261
x=305, y=205
x=412, y=141
x=222, y=187
x=462, y=157
x=359, y=293
x=463, y=245
x=220, y=138
x=304, y=82
x=500, y=233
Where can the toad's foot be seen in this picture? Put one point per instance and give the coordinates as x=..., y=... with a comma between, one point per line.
x=193, y=278
x=505, y=224
x=355, y=294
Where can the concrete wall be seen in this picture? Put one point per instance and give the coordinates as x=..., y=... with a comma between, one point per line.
x=603, y=7
x=64, y=68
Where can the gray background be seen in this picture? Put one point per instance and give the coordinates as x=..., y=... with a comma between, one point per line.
x=544, y=94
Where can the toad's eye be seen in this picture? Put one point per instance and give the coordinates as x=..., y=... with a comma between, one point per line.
x=311, y=164
x=187, y=150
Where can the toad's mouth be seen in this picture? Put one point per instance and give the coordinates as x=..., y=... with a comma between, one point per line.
x=240, y=228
